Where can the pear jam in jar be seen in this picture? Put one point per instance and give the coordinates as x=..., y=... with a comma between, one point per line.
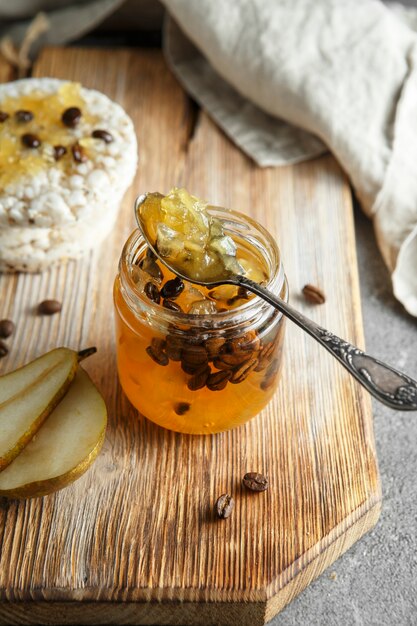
x=194, y=359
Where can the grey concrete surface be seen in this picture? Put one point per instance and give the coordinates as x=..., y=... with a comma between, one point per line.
x=375, y=582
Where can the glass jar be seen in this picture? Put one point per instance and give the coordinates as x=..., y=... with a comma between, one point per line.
x=200, y=374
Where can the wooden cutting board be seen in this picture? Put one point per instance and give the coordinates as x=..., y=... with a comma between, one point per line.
x=135, y=540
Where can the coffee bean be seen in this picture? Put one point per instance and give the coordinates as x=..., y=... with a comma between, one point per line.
x=6, y=328
x=3, y=349
x=172, y=288
x=182, y=407
x=270, y=375
x=195, y=355
x=198, y=381
x=152, y=292
x=59, y=152
x=243, y=293
x=313, y=294
x=214, y=345
x=149, y=265
x=248, y=341
x=172, y=306
x=157, y=354
x=230, y=361
x=3, y=116
x=218, y=381
x=103, y=135
x=173, y=347
x=192, y=368
x=49, y=307
x=255, y=481
x=71, y=117
x=224, y=506
x=78, y=153
x=158, y=344
x=30, y=141
x=23, y=116
x=243, y=371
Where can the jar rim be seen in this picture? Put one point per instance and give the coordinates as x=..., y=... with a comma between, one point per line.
x=244, y=312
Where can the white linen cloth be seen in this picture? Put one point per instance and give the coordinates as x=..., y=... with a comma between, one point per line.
x=288, y=79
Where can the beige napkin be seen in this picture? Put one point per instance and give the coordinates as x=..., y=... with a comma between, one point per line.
x=288, y=78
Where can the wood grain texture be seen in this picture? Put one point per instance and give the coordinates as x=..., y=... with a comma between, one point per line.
x=136, y=539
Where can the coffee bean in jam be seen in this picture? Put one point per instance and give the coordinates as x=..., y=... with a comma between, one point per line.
x=172, y=288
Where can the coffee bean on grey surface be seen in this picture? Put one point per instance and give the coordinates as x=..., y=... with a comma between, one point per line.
x=49, y=307
x=104, y=135
x=29, y=140
x=172, y=288
x=71, y=117
x=152, y=292
x=255, y=481
x=6, y=328
x=224, y=506
x=23, y=116
x=3, y=349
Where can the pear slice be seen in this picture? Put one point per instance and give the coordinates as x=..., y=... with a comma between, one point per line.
x=29, y=394
x=65, y=446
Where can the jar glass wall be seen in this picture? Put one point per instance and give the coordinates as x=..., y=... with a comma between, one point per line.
x=199, y=374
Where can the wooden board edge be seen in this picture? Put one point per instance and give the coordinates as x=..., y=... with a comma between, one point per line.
x=316, y=567
x=169, y=613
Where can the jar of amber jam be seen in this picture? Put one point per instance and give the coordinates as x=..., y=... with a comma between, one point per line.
x=213, y=363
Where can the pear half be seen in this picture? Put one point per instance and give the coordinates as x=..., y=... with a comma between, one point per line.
x=27, y=397
x=65, y=446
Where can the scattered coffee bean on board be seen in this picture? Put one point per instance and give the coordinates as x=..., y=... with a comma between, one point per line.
x=23, y=116
x=255, y=481
x=313, y=294
x=6, y=328
x=104, y=135
x=152, y=292
x=3, y=349
x=172, y=288
x=49, y=307
x=224, y=506
x=3, y=116
x=182, y=407
x=59, y=152
x=71, y=117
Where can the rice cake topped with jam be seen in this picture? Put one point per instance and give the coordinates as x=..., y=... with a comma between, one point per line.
x=67, y=156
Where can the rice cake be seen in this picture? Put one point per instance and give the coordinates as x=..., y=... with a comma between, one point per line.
x=56, y=207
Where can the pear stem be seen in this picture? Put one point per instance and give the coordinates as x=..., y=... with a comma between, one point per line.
x=83, y=354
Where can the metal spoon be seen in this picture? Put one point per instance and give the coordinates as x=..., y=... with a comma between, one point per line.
x=386, y=384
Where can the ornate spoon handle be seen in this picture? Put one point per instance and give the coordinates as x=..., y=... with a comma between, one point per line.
x=385, y=383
